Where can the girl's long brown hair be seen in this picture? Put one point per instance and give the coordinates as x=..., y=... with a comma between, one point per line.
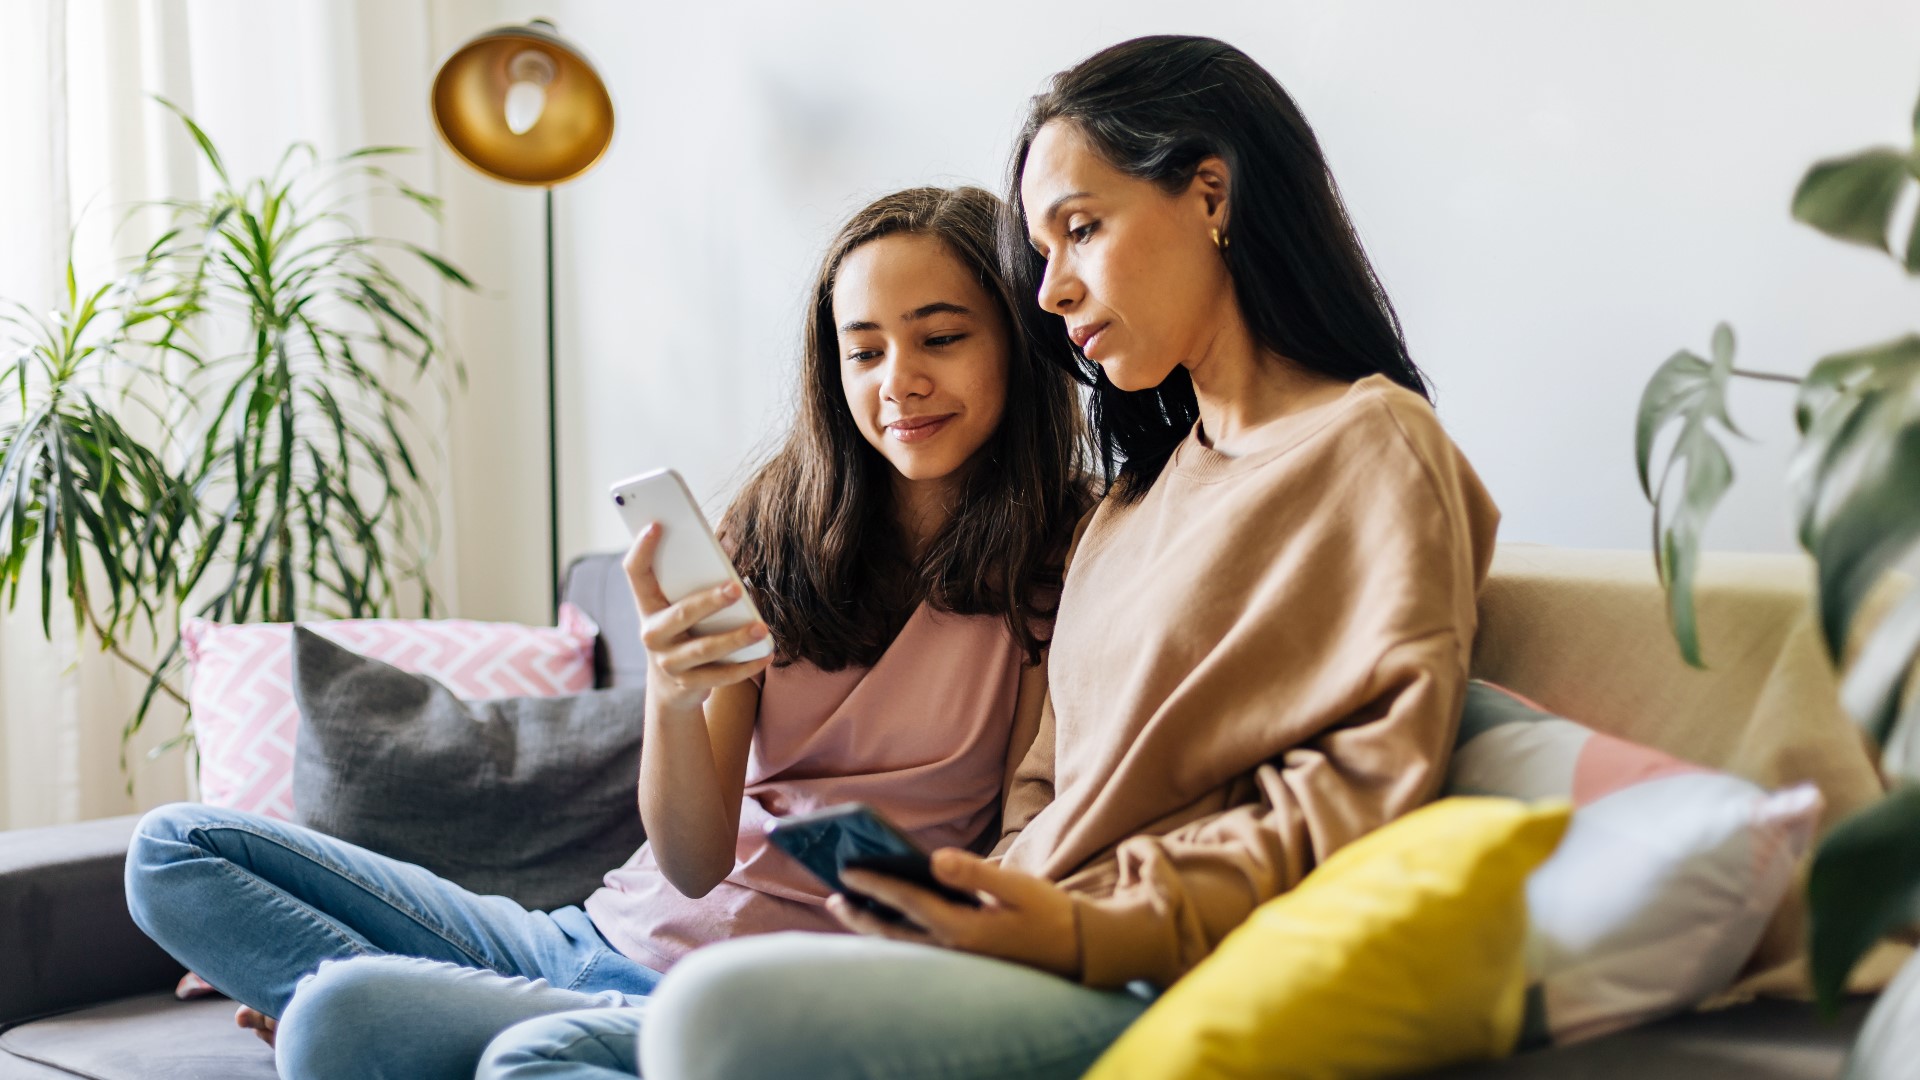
x=813, y=531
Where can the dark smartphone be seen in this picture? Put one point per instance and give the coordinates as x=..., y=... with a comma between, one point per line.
x=855, y=835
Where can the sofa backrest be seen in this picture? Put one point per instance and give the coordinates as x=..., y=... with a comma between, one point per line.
x=1585, y=634
x=597, y=585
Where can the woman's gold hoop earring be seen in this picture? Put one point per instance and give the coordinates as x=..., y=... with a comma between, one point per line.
x=1220, y=241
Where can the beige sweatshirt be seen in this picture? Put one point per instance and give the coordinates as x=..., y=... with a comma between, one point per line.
x=1259, y=661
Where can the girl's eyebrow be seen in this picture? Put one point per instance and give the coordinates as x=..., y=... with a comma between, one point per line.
x=938, y=307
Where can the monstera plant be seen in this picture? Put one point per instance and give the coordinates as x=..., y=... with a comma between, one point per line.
x=279, y=352
x=1855, y=484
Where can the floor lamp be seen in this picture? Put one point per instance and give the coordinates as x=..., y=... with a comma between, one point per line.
x=523, y=106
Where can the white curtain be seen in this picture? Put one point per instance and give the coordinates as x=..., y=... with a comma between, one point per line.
x=83, y=142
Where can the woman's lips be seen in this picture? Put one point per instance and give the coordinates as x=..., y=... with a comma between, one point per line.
x=919, y=428
x=1092, y=343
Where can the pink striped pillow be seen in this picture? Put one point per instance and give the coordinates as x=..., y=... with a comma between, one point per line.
x=241, y=686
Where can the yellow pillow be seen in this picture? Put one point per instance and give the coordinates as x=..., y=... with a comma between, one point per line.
x=1400, y=953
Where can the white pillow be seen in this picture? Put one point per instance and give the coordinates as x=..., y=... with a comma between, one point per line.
x=1664, y=883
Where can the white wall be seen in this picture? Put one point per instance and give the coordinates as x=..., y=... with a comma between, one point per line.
x=1557, y=196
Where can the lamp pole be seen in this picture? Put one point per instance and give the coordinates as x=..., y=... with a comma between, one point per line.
x=553, y=429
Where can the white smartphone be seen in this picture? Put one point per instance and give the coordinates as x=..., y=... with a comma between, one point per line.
x=688, y=557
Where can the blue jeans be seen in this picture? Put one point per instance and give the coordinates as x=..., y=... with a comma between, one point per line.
x=806, y=1006
x=338, y=942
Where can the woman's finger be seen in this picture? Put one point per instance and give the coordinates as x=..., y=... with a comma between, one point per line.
x=861, y=921
x=639, y=566
x=932, y=914
x=960, y=869
x=663, y=628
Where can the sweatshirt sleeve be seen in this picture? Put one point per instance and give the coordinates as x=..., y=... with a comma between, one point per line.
x=1327, y=708
x=1176, y=895
x=1031, y=787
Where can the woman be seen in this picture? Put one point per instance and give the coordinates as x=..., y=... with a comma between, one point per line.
x=1262, y=645
x=903, y=544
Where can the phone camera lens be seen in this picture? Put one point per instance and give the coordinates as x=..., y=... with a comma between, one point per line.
x=620, y=500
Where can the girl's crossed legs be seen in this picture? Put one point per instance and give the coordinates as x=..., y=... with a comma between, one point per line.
x=398, y=972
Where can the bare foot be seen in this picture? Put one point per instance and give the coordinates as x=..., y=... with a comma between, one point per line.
x=257, y=1022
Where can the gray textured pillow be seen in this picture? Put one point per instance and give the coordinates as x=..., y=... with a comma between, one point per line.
x=531, y=798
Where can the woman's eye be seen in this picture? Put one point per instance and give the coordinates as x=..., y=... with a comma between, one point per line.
x=864, y=355
x=1081, y=233
x=944, y=340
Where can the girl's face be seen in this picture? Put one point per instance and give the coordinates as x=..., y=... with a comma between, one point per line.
x=923, y=354
x=1133, y=270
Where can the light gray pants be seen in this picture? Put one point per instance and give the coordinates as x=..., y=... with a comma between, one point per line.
x=788, y=1006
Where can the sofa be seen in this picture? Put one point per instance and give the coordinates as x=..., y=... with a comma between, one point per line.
x=84, y=993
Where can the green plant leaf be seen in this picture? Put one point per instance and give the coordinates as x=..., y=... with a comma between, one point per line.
x=1912, y=261
x=1852, y=198
x=1875, y=681
x=1855, y=475
x=443, y=267
x=1689, y=391
x=1864, y=882
x=200, y=137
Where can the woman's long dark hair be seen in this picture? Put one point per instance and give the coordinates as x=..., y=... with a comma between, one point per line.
x=1154, y=108
x=813, y=530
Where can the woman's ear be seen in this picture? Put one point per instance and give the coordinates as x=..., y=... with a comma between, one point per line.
x=1212, y=181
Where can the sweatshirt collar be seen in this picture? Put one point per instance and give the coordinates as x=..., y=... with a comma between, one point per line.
x=1195, y=460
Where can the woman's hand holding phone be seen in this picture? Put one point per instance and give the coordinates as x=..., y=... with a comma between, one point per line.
x=1025, y=919
x=684, y=667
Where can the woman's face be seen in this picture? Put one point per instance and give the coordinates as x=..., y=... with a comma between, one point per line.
x=1133, y=270
x=923, y=354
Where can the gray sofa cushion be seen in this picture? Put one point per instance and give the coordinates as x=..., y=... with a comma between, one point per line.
x=532, y=798
x=1761, y=1040
x=143, y=1038
x=158, y=1038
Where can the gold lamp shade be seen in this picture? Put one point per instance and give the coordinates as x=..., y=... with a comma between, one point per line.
x=521, y=105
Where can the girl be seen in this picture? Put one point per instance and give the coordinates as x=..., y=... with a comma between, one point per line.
x=1261, y=650
x=903, y=545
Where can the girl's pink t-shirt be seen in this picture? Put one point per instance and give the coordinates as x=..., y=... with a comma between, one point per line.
x=921, y=736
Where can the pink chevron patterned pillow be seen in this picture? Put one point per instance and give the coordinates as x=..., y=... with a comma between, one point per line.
x=241, y=686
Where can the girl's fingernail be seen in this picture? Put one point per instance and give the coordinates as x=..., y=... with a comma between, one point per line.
x=731, y=591
x=759, y=630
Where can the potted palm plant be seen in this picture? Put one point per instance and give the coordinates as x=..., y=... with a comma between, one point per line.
x=286, y=351
x=1855, y=483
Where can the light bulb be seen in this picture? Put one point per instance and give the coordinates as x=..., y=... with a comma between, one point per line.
x=530, y=71
x=525, y=102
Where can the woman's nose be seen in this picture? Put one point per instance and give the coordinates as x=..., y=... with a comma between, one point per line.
x=1058, y=289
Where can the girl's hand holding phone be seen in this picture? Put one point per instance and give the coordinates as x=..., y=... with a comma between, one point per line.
x=684, y=667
